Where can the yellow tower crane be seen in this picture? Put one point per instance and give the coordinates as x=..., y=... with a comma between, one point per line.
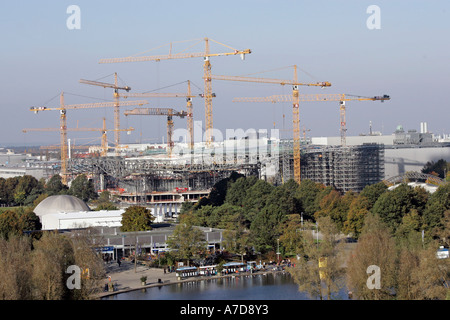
x=160, y=112
x=295, y=106
x=103, y=130
x=206, y=54
x=188, y=96
x=63, y=122
x=342, y=98
x=116, y=96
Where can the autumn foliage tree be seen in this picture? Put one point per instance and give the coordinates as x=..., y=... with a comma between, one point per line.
x=136, y=218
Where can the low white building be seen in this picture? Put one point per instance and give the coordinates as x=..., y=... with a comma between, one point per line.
x=82, y=219
x=69, y=212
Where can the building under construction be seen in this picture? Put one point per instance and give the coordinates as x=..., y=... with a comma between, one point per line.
x=161, y=183
x=345, y=168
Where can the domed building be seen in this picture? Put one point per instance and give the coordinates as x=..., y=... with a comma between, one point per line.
x=69, y=212
x=59, y=204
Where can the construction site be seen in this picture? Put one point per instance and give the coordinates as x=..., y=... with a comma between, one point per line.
x=167, y=174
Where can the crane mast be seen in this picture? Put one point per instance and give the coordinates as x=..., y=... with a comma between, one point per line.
x=189, y=108
x=206, y=54
x=169, y=112
x=342, y=98
x=116, y=97
x=295, y=107
x=103, y=130
x=63, y=122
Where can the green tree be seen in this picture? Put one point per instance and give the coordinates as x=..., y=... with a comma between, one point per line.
x=265, y=228
x=55, y=186
x=10, y=187
x=393, y=205
x=237, y=190
x=444, y=233
x=224, y=216
x=25, y=185
x=106, y=206
x=437, y=204
x=236, y=236
x=187, y=241
x=3, y=191
x=219, y=190
x=28, y=220
x=373, y=192
x=187, y=207
x=307, y=193
x=83, y=188
x=9, y=224
x=136, y=218
x=256, y=199
x=438, y=168
x=35, y=193
x=284, y=197
x=411, y=222
x=104, y=203
x=202, y=216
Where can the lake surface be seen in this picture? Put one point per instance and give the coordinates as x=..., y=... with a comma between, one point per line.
x=270, y=286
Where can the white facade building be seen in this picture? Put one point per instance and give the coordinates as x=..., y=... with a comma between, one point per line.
x=82, y=219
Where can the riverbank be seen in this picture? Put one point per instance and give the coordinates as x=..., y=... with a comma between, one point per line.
x=126, y=278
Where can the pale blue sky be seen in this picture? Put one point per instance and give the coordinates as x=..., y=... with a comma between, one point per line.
x=408, y=58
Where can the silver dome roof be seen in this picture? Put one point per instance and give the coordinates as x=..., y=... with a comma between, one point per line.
x=60, y=203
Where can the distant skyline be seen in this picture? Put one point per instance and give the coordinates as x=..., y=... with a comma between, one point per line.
x=407, y=58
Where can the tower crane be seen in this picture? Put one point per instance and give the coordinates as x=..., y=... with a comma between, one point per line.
x=188, y=96
x=295, y=107
x=116, y=96
x=103, y=130
x=63, y=122
x=206, y=54
x=160, y=112
x=342, y=98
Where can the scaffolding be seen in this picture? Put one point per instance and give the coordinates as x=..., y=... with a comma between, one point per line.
x=348, y=168
x=149, y=175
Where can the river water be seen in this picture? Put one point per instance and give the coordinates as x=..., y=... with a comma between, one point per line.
x=269, y=286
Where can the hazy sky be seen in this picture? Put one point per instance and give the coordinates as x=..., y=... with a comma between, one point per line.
x=408, y=59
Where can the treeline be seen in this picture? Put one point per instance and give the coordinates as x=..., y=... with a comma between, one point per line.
x=39, y=268
x=25, y=190
x=378, y=267
x=20, y=195
x=440, y=168
x=34, y=265
x=269, y=213
x=398, y=231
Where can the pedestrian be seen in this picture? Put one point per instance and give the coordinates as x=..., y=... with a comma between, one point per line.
x=118, y=262
x=164, y=270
